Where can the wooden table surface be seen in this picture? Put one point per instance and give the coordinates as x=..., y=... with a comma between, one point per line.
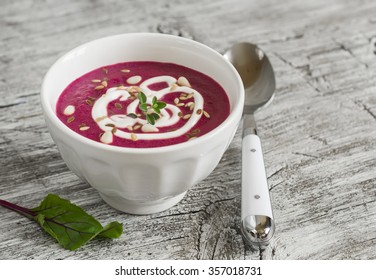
x=319, y=134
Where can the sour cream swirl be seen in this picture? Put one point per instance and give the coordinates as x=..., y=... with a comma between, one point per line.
x=168, y=116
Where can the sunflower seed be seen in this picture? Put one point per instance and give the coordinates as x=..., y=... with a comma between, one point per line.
x=83, y=128
x=149, y=128
x=182, y=81
x=100, y=118
x=133, y=137
x=106, y=137
x=69, y=110
x=134, y=89
x=71, y=119
x=134, y=80
x=173, y=87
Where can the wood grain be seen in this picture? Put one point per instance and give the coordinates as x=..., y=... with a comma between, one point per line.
x=318, y=135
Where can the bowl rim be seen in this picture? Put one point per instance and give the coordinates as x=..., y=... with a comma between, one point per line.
x=232, y=117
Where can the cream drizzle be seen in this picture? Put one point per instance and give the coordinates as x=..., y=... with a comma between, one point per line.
x=100, y=114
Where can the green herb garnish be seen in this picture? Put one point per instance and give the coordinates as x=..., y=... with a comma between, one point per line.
x=71, y=226
x=132, y=115
x=152, y=111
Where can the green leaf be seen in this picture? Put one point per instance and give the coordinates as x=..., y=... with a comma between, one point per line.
x=161, y=104
x=112, y=230
x=67, y=223
x=132, y=115
x=142, y=97
x=150, y=118
x=70, y=225
x=143, y=107
x=154, y=100
x=155, y=116
x=157, y=110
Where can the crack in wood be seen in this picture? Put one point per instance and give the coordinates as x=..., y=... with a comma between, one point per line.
x=276, y=185
x=345, y=149
x=12, y=104
x=313, y=218
x=309, y=82
x=23, y=117
x=324, y=51
x=322, y=140
x=304, y=154
x=276, y=172
x=200, y=233
x=288, y=38
x=285, y=61
x=274, y=250
x=214, y=248
x=261, y=253
x=350, y=207
x=28, y=94
x=365, y=108
x=175, y=215
x=206, y=217
x=351, y=53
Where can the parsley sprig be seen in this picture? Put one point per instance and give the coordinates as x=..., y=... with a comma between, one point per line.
x=152, y=111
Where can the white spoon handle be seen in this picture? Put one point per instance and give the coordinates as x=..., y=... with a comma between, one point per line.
x=255, y=190
x=256, y=209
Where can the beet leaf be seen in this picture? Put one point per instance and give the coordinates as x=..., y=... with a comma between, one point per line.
x=70, y=225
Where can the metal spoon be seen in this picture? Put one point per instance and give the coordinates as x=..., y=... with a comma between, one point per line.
x=257, y=223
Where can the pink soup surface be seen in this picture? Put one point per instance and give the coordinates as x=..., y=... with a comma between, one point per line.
x=103, y=104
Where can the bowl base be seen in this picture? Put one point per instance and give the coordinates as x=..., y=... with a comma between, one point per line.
x=141, y=208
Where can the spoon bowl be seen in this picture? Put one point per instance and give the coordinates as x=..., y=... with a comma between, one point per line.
x=256, y=73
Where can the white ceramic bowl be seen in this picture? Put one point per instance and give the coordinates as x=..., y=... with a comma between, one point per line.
x=149, y=180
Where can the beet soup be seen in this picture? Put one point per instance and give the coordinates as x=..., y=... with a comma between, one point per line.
x=143, y=104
